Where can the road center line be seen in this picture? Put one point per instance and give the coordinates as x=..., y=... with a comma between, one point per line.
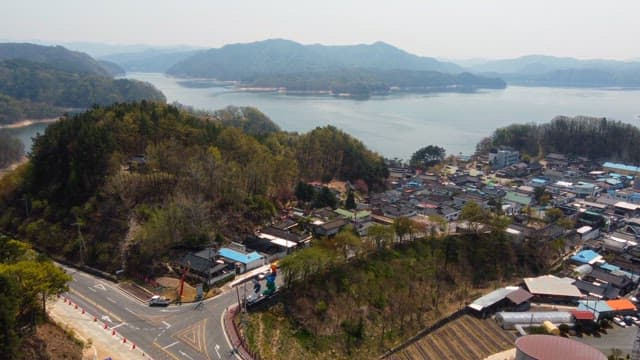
x=110, y=299
x=92, y=289
x=184, y=354
x=117, y=326
x=170, y=345
x=76, y=293
x=129, y=310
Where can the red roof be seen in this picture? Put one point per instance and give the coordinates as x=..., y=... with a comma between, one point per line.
x=547, y=347
x=582, y=314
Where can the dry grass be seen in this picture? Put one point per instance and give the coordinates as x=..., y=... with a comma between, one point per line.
x=463, y=338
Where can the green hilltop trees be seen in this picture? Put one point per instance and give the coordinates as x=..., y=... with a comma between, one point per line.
x=27, y=280
x=196, y=178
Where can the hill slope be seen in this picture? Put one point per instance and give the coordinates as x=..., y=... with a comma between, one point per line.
x=241, y=61
x=556, y=71
x=354, y=69
x=57, y=57
x=45, y=81
x=32, y=89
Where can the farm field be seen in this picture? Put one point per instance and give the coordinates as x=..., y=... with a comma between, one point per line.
x=463, y=338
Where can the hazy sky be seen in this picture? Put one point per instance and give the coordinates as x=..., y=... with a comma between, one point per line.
x=445, y=28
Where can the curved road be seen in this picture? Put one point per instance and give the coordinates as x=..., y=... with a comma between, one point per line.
x=185, y=332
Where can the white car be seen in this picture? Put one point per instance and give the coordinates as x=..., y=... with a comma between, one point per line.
x=157, y=300
x=620, y=322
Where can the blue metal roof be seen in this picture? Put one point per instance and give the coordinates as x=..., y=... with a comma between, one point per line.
x=609, y=267
x=595, y=306
x=238, y=256
x=585, y=256
x=624, y=167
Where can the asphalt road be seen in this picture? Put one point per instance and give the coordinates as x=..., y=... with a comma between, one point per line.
x=184, y=332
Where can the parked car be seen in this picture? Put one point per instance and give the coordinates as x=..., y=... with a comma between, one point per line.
x=157, y=300
x=619, y=322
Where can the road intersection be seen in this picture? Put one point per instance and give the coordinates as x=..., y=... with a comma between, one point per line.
x=184, y=332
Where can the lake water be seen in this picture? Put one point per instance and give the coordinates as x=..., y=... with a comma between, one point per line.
x=398, y=125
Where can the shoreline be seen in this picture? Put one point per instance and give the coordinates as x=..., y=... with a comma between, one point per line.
x=28, y=122
x=13, y=166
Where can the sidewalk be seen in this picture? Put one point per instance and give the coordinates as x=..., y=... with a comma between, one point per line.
x=104, y=343
x=237, y=342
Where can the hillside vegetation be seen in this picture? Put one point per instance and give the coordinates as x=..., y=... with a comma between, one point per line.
x=42, y=82
x=596, y=138
x=11, y=149
x=538, y=70
x=56, y=57
x=334, y=308
x=356, y=69
x=199, y=181
x=26, y=280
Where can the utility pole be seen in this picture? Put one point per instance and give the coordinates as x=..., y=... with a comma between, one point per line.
x=83, y=246
x=238, y=295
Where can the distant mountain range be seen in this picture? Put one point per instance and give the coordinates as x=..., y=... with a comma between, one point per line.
x=358, y=70
x=45, y=81
x=241, y=61
x=56, y=57
x=150, y=60
x=540, y=70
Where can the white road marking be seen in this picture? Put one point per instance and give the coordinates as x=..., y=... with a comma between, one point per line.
x=117, y=326
x=225, y=335
x=92, y=289
x=168, y=311
x=129, y=310
x=185, y=355
x=161, y=332
x=217, y=352
x=106, y=318
x=166, y=324
x=170, y=345
x=100, y=286
x=110, y=299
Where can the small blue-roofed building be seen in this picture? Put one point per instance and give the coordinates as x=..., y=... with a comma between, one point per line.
x=586, y=257
x=599, y=308
x=621, y=168
x=244, y=261
x=537, y=182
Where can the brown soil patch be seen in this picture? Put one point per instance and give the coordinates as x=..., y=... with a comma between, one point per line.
x=50, y=342
x=172, y=286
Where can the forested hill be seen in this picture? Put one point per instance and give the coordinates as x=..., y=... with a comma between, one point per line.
x=198, y=180
x=56, y=57
x=35, y=90
x=356, y=69
x=596, y=138
x=539, y=70
x=277, y=56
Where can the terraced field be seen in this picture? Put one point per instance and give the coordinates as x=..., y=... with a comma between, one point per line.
x=461, y=339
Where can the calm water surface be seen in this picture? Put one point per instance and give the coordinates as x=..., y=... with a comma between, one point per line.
x=397, y=125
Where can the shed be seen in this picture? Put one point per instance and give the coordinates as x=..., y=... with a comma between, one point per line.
x=586, y=256
x=598, y=308
x=549, y=287
x=245, y=261
x=621, y=305
x=508, y=320
x=486, y=302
